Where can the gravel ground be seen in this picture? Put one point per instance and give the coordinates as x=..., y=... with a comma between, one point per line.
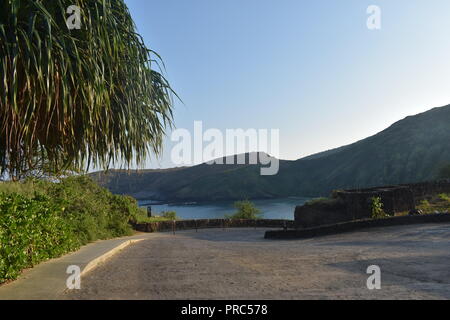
x=240, y=264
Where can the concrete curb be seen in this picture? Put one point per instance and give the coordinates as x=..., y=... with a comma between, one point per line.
x=47, y=281
x=354, y=226
x=94, y=263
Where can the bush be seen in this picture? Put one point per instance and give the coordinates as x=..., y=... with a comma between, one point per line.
x=377, y=209
x=40, y=220
x=93, y=212
x=169, y=215
x=31, y=230
x=141, y=216
x=245, y=211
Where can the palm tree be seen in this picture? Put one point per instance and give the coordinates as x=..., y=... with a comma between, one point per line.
x=80, y=97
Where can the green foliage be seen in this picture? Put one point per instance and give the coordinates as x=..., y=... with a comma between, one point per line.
x=41, y=220
x=169, y=215
x=26, y=188
x=77, y=97
x=93, y=212
x=439, y=203
x=141, y=216
x=377, y=208
x=31, y=230
x=246, y=210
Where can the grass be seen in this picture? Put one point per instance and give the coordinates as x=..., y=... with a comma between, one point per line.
x=438, y=203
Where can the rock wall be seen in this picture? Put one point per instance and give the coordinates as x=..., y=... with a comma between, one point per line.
x=352, y=226
x=211, y=223
x=329, y=211
x=351, y=205
x=422, y=190
x=395, y=199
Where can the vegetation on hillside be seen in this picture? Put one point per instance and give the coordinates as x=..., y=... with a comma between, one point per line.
x=40, y=220
x=411, y=150
x=70, y=98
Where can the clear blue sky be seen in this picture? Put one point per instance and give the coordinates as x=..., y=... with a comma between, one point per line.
x=310, y=68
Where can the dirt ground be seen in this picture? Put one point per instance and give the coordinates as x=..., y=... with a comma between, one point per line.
x=240, y=264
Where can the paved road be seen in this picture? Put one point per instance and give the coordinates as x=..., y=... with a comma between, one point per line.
x=240, y=264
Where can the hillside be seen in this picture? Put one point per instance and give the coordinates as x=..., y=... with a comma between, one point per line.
x=411, y=150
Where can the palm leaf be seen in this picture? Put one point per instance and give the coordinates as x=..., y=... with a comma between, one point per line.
x=80, y=97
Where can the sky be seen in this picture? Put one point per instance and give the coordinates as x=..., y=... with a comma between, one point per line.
x=312, y=69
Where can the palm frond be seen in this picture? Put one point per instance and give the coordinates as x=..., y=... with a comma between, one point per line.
x=80, y=97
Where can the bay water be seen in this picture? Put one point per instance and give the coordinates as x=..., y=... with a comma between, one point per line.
x=271, y=209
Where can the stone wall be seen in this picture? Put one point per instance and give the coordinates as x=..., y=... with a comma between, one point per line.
x=327, y=211
x=351, y=205
x=356, y=225
x=394, y=198
x=211, y=223
x=422, y=190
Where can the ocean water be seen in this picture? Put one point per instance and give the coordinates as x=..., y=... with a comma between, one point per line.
x=271, y=209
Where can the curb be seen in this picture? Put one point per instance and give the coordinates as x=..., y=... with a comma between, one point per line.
x=47, y=280
x=94, y=263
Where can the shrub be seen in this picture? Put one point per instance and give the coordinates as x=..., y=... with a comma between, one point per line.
x=93, y=212
x=246, y=210
x=31, y=230
x=40, y=220
x=169, y=215
x=377, y=208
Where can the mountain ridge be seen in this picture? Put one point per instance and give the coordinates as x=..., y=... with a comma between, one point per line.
x=410, y=150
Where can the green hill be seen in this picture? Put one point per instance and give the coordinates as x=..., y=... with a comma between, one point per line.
x=411, y=150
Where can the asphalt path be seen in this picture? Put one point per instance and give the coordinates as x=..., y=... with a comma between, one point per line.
x=239, y=264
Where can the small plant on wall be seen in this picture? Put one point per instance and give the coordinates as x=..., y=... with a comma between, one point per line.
x=377, y=208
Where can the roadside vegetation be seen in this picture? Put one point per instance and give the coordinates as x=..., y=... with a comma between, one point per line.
x=40, y=220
